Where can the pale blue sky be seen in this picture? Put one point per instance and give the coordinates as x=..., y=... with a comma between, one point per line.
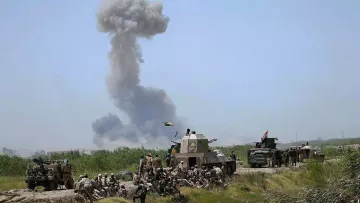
x=233, y=68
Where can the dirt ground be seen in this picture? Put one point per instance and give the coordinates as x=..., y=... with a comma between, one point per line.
x=68, y=196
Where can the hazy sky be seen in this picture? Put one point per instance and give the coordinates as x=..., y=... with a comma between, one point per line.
x=233, y=68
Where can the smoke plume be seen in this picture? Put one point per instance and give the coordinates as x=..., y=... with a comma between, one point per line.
x=147, y=108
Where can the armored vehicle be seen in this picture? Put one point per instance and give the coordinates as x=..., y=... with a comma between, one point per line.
x=194, y=150
x=257, y=156
x=48, y=174
x=310, y=152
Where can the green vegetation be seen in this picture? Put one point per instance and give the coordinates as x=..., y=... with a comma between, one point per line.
x=315, y=181
x=102, y=161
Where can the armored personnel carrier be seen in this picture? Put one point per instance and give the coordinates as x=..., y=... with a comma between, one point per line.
x=48, y=174
x=257, y=156
x=310, y=152
x=194, y=150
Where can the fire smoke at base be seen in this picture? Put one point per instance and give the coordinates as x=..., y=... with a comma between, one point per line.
x=146, y=107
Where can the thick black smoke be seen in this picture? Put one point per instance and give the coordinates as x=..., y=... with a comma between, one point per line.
x=147, y=108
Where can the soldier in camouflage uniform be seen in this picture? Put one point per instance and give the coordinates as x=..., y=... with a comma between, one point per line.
x=141, y=166
x=123, y=192
x=157, y=162
x=149, y=161
x=67, y=175
x=86, y=188
x=140, y=192
x=172, y=161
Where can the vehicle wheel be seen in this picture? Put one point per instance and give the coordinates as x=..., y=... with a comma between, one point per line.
x=70, y=184
x=229, y=170
x=30, y=186
x=259, y=166
x=253, y=166
x=52, y=185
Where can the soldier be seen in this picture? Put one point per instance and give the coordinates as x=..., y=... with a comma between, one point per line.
x=149, y=161
x=123, y=191
x=67, y=175
x=170, y=189
x=273, y=158
x=180, y=166
x=86, y=189
x=172, y=161
x=293, y=157
x=269, y=162
x=287, y=156
x=112, y=179
x=140, y=192
x=219, y=174
x=157, y=162
x=141, y=165
x=278, y=158
x=98, y=181
x=105, y=180
x=168, y=160
x=233, y=156
x=77, y=184
x=136, y=178
x=187, y=132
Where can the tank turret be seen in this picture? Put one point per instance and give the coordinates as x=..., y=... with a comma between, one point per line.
x=268, y=143
x=195, y=143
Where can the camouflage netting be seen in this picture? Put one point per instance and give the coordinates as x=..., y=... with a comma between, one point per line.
x=346, y=189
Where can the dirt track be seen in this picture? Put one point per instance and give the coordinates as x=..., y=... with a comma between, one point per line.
x=68, y=196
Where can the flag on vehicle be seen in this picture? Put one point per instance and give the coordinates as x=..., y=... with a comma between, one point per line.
x=265, y=135
x=168, y=124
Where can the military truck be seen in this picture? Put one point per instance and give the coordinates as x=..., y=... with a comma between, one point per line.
x=194, y=150
x=257, y=156
x=48, y=174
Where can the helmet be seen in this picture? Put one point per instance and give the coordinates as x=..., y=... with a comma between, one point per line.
x=99, y=175
x=112, y=174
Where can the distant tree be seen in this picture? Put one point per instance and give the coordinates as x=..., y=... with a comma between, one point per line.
x=8, y=151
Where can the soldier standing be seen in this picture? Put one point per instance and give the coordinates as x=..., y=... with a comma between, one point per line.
x=157, y=162
x=287, y=156
x=187, y=132
x=269, y=162
x=149, y=161
x=168, y=160
x=233, y=156
x=293, y=157
x=273, y=158
x=141, y=165
x=172, y=161
x=67, y=176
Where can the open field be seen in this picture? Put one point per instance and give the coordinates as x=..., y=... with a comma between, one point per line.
x=252, y=185
x=261, y=186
